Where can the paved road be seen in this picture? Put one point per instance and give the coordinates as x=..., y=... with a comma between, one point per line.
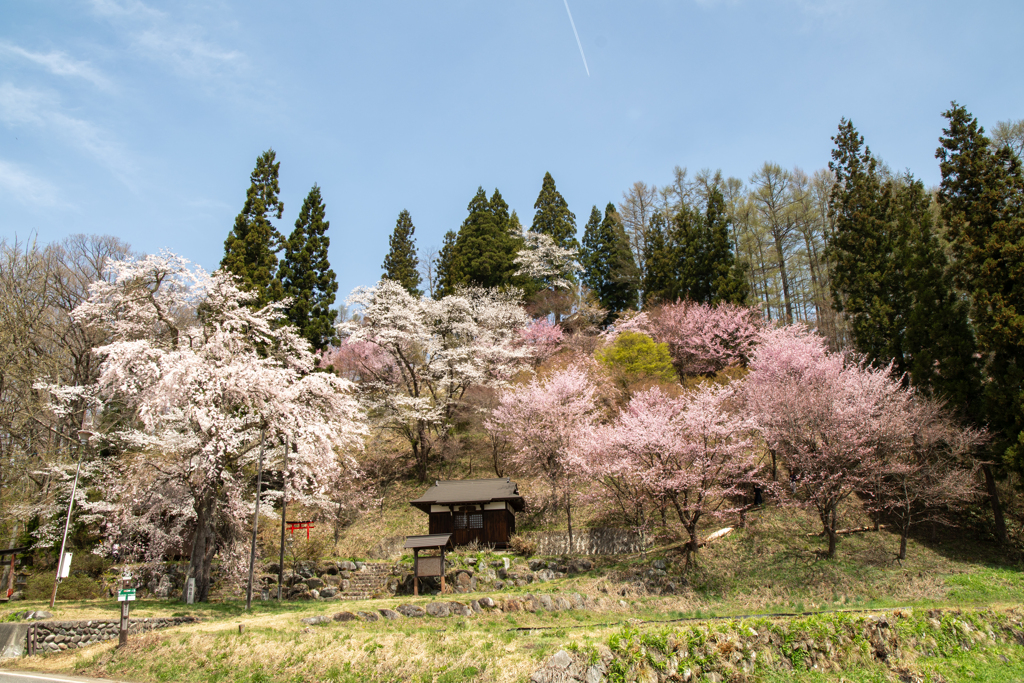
x=7, y=676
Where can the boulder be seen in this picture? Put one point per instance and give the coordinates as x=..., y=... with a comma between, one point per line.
x=465, y=582
x=360, y=566
x=545, y=575
x=537, y=565
x=369, y=616
x=37, y=614
x=314, y=582
x=328, y=592
x=459, y=609
x=407, y=610
x=327, y=568
x=273, y=568
x=389, y=614
x=345, y=616
x=486, y=603
x=314, y=594
x=347, y=566
x=313, y=621
x=437, y=609
x=164, y=588
x=546, y=602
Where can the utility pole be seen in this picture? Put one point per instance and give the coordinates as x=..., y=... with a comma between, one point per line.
x=255, y=521
x=82, y=434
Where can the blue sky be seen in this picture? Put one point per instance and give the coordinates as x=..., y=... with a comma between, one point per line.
x=144, y=120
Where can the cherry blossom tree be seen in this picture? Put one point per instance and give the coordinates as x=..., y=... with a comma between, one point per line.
x=428, y=353
x=694, y=453
x=197, y=378
x=547, y=422
x=831, y=418
x=927, y=474
x=543, y=338
x=542, y=259
x=702, y=339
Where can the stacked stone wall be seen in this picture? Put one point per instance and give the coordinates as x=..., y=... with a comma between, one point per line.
x=54, y=636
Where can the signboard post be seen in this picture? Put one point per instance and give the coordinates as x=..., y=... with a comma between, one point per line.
x=125, y=596
x=190, y=591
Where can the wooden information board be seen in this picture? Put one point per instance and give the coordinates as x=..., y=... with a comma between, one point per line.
x=429, y=566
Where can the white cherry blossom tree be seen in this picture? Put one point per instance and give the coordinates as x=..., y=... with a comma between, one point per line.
x=195, y=377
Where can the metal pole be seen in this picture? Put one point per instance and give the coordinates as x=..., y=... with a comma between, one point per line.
x=67, y=521
x=284, y=501
x=255, y=522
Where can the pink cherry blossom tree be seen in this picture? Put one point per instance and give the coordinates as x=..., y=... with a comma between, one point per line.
x=427, y=353
x=929, y=473
x=702, y=339
x=194, y=378
x=832, y=419
x=547, y=422
x=694, y=453
x=542, y=338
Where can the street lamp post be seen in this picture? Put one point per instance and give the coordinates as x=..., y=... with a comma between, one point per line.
x=82, y=435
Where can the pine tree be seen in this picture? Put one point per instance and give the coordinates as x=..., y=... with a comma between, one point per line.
x=485, y=248
x=306, y=275
x=401, y=263
x=446, y=282
x=251, y=246
x=553, y=216
x=981, y=199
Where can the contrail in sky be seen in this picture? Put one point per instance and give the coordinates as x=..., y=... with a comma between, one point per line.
x=577, y=37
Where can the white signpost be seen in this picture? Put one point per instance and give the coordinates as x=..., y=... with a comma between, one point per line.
x=190, y=591
x=65, y=566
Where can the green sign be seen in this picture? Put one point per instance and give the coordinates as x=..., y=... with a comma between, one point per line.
x=125, y=594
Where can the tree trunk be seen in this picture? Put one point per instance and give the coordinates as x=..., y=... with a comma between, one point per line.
x=903, y=542
x=419, y=451
x=568, y=514
x=204, y=545
x=997, y=509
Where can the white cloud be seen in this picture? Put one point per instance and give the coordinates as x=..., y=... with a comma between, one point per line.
x=26, y=188
x=59, y=64
x=40, y=109
x=181, y=46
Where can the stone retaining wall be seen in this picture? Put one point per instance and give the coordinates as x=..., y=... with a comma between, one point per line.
x=52, y=636
x=606, y=541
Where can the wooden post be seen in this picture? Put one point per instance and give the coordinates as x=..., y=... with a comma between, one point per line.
x=10, y=578
x=416, y=571
x=442, y=570
x=122, y=635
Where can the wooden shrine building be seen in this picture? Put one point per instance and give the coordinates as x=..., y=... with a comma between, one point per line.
x=481, y=510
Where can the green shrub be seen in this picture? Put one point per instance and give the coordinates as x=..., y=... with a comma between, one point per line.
x=634, y=356
x=75, y=587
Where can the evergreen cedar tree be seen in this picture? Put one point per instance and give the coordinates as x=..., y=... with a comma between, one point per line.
x=401, y=263
x=251, y=246
x=890, y=277
x=691, y=257
x=485, y=246
x=981, y=199
x=609, y=270
x=306, y=276
x=446, y=283
x=553, y=217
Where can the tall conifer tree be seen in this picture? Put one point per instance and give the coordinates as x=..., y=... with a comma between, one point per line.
x=485, y=248
x=251, y=246
x=401, y=263
x=609, y=268
x=553, y=217
x=306, y=276
x=982, y=204
x=446, y=282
